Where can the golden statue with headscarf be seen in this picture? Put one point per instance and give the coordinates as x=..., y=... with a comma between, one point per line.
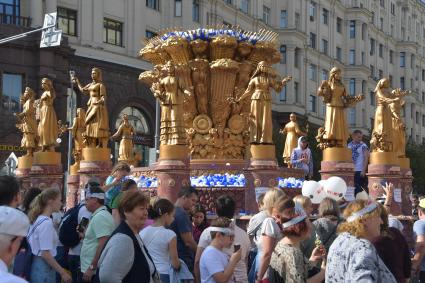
x=264, y=78
x=96, y=121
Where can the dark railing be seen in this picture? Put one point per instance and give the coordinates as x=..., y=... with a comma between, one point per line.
x=15, y=20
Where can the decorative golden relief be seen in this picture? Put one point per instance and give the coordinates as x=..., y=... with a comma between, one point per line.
x=207, y=88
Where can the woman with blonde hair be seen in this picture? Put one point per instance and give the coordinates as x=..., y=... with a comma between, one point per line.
x=48, y=125
x=43, y=238
x=352, y=256
x=267, y=234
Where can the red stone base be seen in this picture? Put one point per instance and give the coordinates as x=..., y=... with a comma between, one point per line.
x=379, y=174
x=344, y=170
x=73, y=192
x=46, y=176
x=406, y=187
x=89, y=169
x=172, y=175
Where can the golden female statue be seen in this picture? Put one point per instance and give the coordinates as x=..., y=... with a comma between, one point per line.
x=383, y=133
x=126, y=132
x=293, y=132
x=399, y=137
x=335, y=132
x=259, y=86
x=48, y=124
x=97, y=123
x=78, y=130
x=171, y=96
x=27, y=121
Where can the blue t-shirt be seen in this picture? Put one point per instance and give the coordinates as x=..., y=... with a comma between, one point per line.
x=419, y=230
x=357, y=150
x=180, y=225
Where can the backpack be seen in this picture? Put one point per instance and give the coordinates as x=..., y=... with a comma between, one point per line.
x=68, y=234
x=23, y=259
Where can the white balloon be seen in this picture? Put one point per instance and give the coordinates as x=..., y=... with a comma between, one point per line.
x=313, y=190
x=335, y=188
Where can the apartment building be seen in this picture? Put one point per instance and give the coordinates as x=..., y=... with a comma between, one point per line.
x=367, y=39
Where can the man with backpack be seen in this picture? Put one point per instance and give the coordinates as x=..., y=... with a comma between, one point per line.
x=97, y=233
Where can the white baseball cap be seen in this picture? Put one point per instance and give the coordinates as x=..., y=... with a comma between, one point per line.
x=13, y=222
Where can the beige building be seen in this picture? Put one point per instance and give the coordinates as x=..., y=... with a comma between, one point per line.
x=367, y=39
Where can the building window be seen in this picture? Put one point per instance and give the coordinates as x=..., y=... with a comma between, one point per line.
x=112, y=32
x=352, y=57
x=381, y=50
x=423, y=74
x=324, y=75
x=402, y=83
x=195, y=11
x=364, y=31
x=423, y=96
x=352, y=88
x=245, y=6
x=372, y=46
x=11, y=91
x=297, y=58
x=67, y=21
x=417, y=117
x=297, y=21
x=382, y=3
x=381, y=23
x=178, y=8
x=364, y=85
x=11, y=8
x=228, y=2
x=372, y=71
x=392, y=30
x=412, y=61
x=402, y=59
x=297, y=92
x=352, y=117
x=391, y=56
x=282, y=94
x=283, y=54
x=312, y=40
x=153, y=4
x=312, y=103
x=150, y=34
x=338, y=25
x=312, y=10
x=380, y=74
x=390, y=78
x=325, y=16
x=339, y=54
x=423, y=121
x=352, y=29
x=363, y=58
x=266, y=14
x=392, y=8
x=312, y=70
x=283, y=19
x=324, y=46
x=412, y=111
x=372, y=98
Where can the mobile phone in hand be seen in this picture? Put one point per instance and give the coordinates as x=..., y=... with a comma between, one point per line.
x=83, y=224
x=236, y=247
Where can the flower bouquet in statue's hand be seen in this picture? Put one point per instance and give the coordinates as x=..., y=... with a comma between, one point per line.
x=325, y=91
x=351, y=101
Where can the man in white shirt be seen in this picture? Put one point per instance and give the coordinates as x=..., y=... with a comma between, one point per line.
x=360, y=156
x=13, y=228
x=225, y=207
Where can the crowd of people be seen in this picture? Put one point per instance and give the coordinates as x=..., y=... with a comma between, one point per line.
x=118, y=234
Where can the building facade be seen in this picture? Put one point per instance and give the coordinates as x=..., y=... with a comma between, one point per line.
x=367, y=39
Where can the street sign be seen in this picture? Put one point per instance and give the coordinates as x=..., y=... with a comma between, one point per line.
x=50, y=36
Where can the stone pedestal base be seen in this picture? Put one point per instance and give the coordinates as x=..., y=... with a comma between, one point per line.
x=173, y=152
x=342, y=169
x=406, y=179
x=73, y=192
x=46, y=170
x=23, y=171
x=96, y=154
x=74, y=168
x=88, y=169
x=380, y=173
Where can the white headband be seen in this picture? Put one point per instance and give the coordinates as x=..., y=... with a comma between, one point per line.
x=301, y=216
x=226, y=231
x=95, y=195
x=367, y=209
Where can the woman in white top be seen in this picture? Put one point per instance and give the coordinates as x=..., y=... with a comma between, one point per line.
x=43, y=238
x=161, y=242
x=270, y=234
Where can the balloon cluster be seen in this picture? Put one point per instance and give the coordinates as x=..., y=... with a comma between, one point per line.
x=147, y=182
x=211, y=33
x=218, y=180
x=290, y=182
x=334, y=187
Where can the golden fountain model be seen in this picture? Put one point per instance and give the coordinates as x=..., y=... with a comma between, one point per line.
x=202, y=79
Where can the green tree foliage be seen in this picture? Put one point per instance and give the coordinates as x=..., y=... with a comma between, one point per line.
x=416, y=153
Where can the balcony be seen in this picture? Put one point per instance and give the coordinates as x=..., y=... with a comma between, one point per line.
x=7, y=19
